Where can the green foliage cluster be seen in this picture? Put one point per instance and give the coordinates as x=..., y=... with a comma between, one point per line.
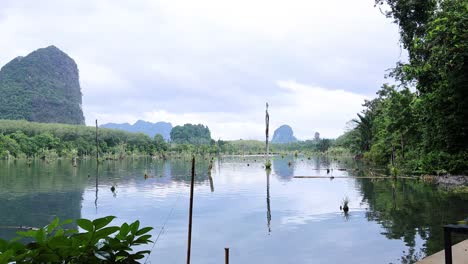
x=241, y=146
x=98, y=243
x=315, y=145
x=23, y=139
x=425, y=130
x=258, y=147
x=41, y=87
x=191, y=134
x=29, y=139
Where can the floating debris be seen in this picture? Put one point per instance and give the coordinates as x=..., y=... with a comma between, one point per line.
x=345, y=204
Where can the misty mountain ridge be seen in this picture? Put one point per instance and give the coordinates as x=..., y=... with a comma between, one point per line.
x=141, y=126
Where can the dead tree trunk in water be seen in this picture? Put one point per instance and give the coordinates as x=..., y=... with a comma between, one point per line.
x=267, y=125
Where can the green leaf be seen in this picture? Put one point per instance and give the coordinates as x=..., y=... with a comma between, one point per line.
x=136, y=256
x=144, y=230
x=29, y=233
x=5, y=256
x=85, y=224
x=102, y=222
x=40, y=235
x=3, y=245
x=59, y=232
x=143, y=252
x=52, y=225
x=134, y=227
x=119, y=258
x=105, y=232
x=59, y=242
x=142, y=240
x=66, y=222
x=124, y=229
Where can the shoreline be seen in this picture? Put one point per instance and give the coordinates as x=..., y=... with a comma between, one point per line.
x=451, y=181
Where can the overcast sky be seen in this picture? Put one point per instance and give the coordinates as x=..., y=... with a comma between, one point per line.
x=214, y=62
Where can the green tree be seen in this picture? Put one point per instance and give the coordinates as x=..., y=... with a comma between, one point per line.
x=192, y=134
x=159, y=143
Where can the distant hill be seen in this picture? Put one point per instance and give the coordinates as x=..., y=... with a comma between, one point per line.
x=151, y=129
x=283, y=134
x=41, y=87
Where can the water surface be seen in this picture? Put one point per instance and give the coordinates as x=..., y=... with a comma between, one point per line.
x=263, y=217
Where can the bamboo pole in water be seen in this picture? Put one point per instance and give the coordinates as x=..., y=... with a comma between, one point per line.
x=97, y=165
x=97, y=145
x=226, y=255
x=189, y=240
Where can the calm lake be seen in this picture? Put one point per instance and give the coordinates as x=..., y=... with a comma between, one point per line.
x=262, y=217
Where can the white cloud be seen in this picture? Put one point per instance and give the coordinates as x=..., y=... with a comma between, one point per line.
x=305, y=108
x=213, y=62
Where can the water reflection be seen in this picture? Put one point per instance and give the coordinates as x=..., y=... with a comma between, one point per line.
x=268, y=171
x=400, y=220
x=283, y=167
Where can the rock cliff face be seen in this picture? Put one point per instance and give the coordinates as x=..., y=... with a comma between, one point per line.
x=283, y=134
x=41, y=87
x=151, y=129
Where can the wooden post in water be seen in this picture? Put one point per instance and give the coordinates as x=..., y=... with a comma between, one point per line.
x=192, y=183
x=97, y=145
x=97, y=165
x=226, y=255
x=447, y=245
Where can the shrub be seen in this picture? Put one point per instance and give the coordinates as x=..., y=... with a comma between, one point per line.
x=98, y=243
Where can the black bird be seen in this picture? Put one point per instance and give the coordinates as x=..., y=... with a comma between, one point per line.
x=113, y=189
x=328, y=171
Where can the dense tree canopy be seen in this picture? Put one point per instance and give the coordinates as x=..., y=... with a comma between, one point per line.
x=191, y=134
x=425, y=130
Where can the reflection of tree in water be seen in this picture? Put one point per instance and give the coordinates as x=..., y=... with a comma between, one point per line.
x=268, y=171
x=282, y=169
x=180, y=169
x=406, y=208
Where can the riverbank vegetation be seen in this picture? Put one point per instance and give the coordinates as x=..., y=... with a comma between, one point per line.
x=27, y=140
x=421, y=124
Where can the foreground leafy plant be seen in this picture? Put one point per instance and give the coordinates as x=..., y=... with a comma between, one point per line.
x=98, y=243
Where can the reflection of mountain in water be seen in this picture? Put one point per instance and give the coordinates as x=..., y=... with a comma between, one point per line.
x=37, y=210
x=34, y=196
x=282, y=169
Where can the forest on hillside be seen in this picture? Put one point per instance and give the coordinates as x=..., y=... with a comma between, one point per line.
x=41, y=87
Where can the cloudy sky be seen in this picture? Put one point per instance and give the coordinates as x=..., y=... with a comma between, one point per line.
x=214, y=62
